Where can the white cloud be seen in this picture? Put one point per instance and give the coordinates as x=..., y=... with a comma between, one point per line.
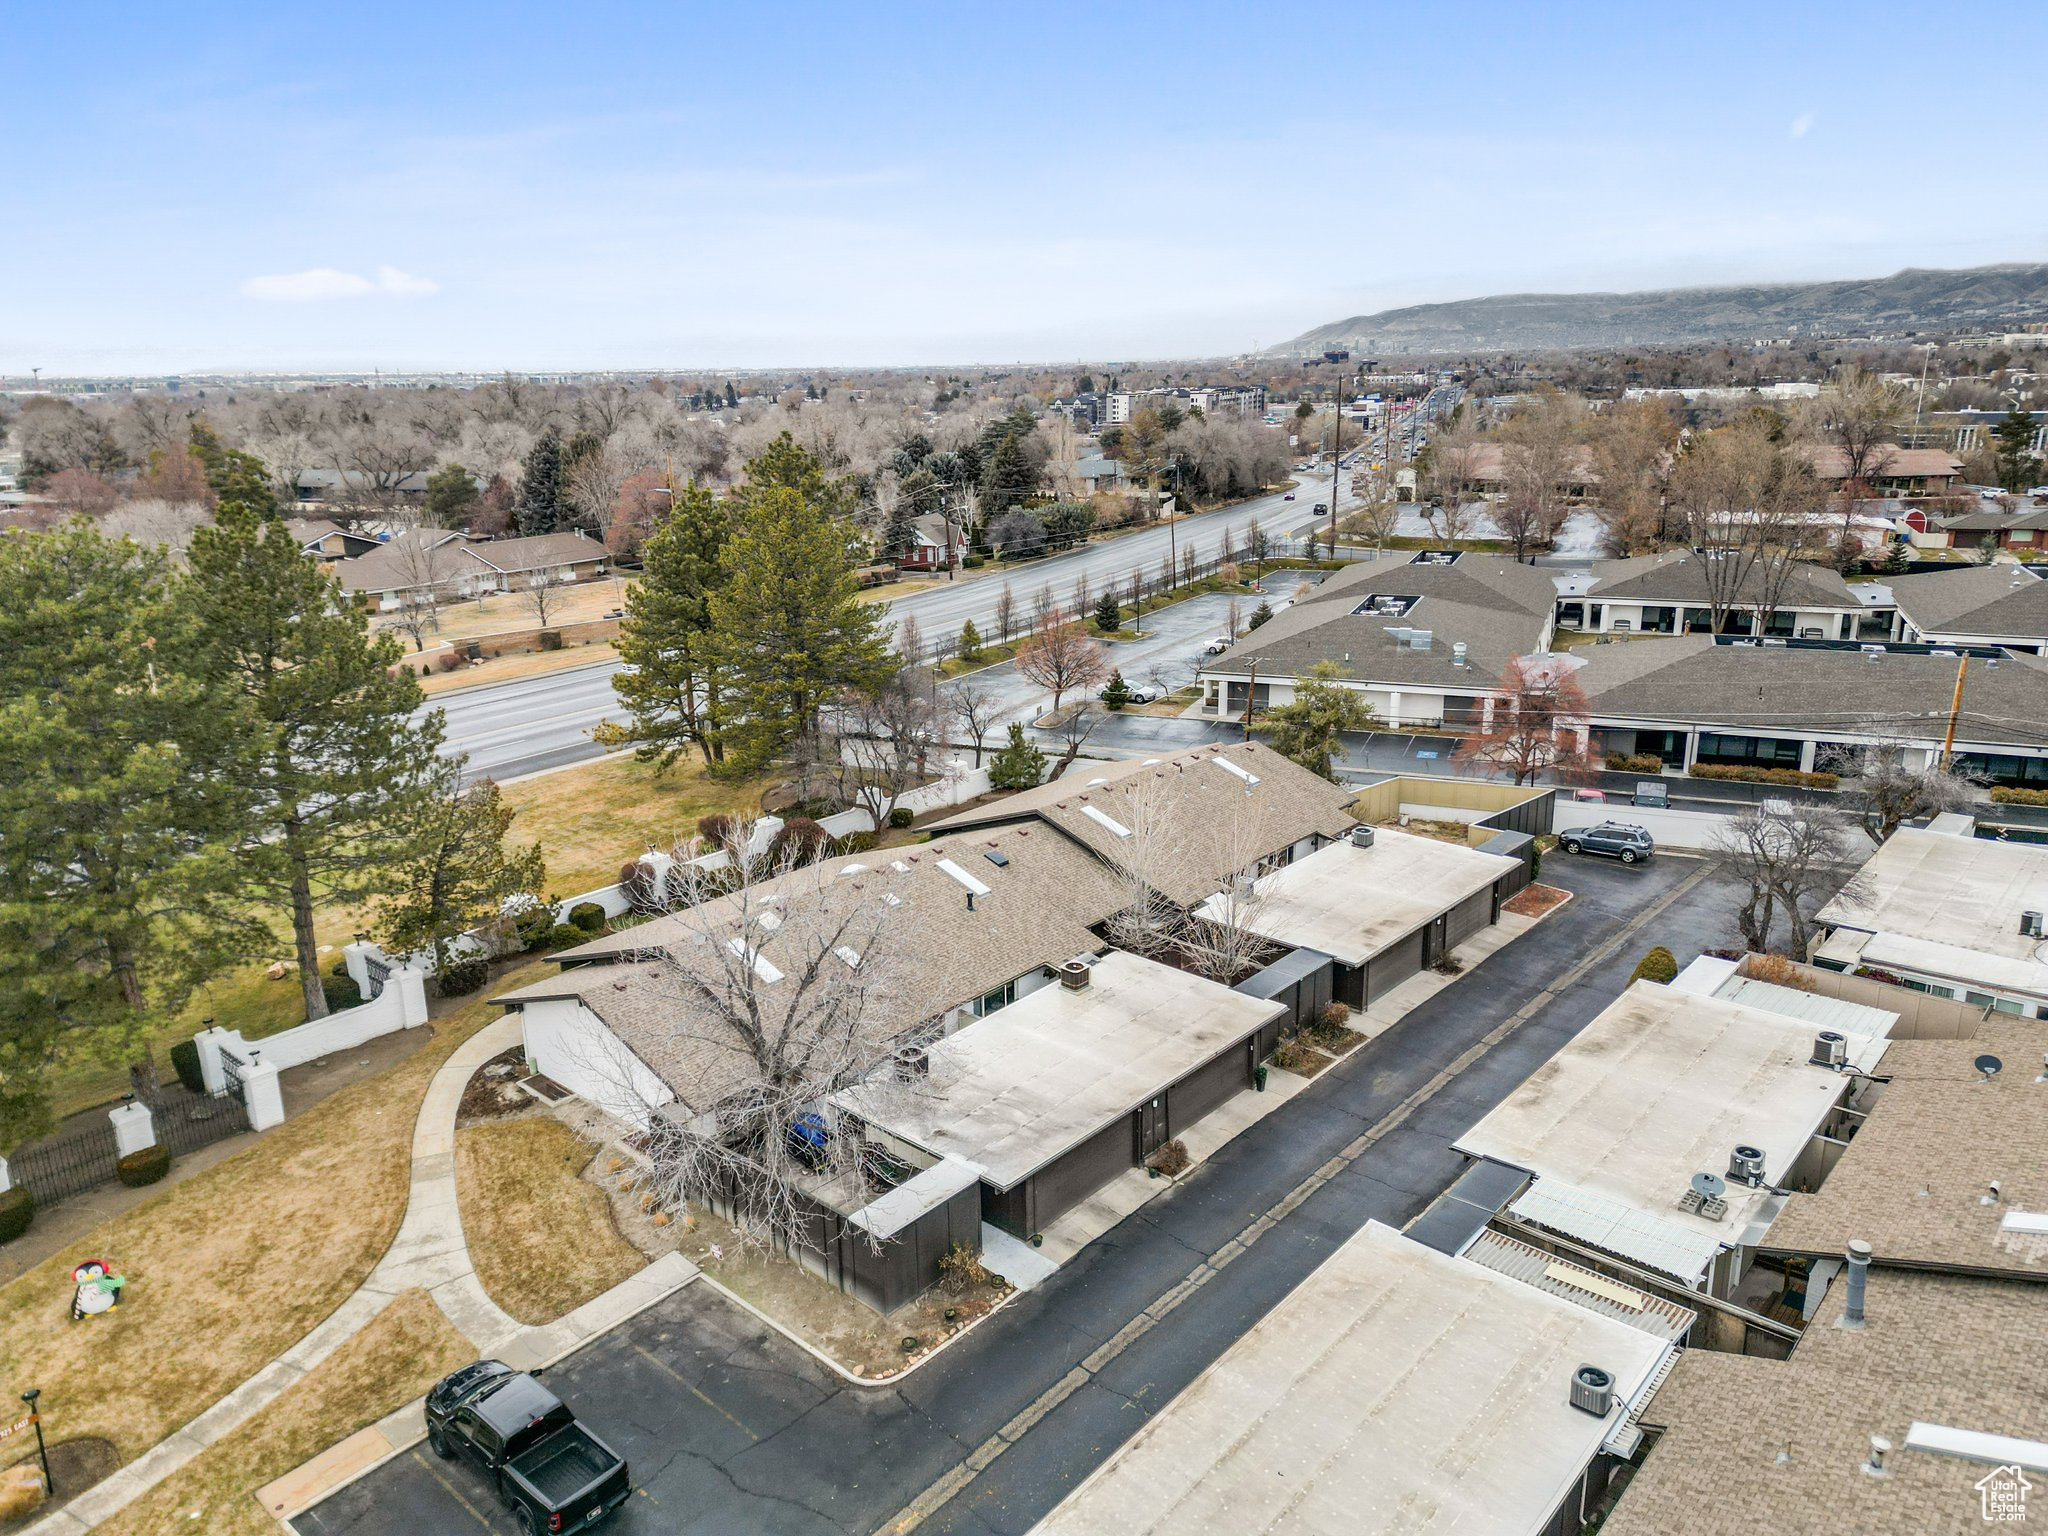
x=319, y=283
x=1801, y=124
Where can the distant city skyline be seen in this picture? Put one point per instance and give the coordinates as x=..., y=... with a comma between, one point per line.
x=235, y=188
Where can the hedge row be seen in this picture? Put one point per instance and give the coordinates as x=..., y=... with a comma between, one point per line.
x=1623, y=762
x=1791, y=777
x=2006, y=796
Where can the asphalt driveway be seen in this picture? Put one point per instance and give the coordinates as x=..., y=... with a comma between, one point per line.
x=731, y=1428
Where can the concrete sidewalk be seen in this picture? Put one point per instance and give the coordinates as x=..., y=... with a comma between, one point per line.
x=429, y=1251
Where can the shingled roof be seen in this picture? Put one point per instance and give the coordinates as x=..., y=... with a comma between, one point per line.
x=1692, y=679
x=1186, y=823
x=1680, y=576
x=1498, y=609
x=2001, y=601
x=941, y=951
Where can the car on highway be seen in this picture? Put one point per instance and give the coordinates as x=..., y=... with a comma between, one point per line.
x=550, y=1471
x=1288, y=497
x=1322, y=507
x=1610, y=839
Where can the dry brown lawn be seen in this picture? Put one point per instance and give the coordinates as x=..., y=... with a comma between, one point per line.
x=231, y=1267
x=594, y=817
x=408, y=1347
x=540, y=1234
x=505, y=669
x=510, y=611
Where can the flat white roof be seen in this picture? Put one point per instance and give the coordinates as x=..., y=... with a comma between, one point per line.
x=1397, y=1390
x=1951, y=905
x=1662, y=1085
x=1352, y=902
x=1713, y=976
x=1011, y=1092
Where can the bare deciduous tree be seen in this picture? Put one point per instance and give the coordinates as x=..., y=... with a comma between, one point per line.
x=1748, y=504
x=978, y=713
x=1539, y=711
x=1006, y=614
x=889, y=737
x=788, y=989
x=1632, y=445
x=546, y=590
x=424, y=567
x=1786, y=866
x=1883, y=793
x=1060, y=658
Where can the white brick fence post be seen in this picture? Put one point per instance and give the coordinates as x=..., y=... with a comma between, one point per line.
x=262, y=1095
x=134, y=1129
x=6, y=1182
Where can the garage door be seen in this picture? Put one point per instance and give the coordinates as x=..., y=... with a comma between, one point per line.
x=1469, y=916
x=1394, y=965
x=1208, y=1086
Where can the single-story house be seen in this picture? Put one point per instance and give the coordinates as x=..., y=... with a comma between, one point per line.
x=320, y=485
x=1673, y=593
x=1664, y=1133
x=1095, y=473
x=1059, y=1093
x=1382, y=904
x=935, y=544
x=2004, y=605
x=1914, y=1419
x=1186, y=825
x=1940, y=910
x=1396, y=1391
x=1425, y=640
x=1894, y=471
x=1792, y=704
x=1493, y=471
x=458, y=566
x=327, y=541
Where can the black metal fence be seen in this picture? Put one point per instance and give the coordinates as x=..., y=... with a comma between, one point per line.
x=83, y=1157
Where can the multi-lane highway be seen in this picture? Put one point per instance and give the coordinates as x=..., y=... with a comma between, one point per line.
x=514, y=728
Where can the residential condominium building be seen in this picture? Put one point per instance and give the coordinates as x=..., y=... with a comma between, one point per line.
x=1676, y=593
x=1425, y=639
x=1998, y=605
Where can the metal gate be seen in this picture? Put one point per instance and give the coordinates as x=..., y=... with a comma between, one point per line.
x=377, y=973
x=67, y=1164
x=232, y=1085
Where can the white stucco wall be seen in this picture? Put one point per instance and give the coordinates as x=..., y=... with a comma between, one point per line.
x=569, y=1043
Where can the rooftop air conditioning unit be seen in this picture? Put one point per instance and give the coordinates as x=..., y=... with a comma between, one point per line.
x=1829, y=1049
x=2030, y=925
x=1074, y=976
x=1746, y=1166
x=1592, y=1391
x=1361, y=837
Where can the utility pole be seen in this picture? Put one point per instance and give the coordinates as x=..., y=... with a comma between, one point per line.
x=1955, y=710
x=1336, y=471
x=1251, y=688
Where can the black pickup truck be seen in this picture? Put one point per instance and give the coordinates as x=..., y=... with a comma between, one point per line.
x=553, y=1474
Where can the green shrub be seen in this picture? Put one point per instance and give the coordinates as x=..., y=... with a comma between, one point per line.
x=973, y=562
x=1109, y=613
x=144, y=1167
x=1019, y=765
x=2020, y=796
x=1787, y=776
x=185, y=1062
x=587, y=915
x=855, y=842
x=1117, y=694
x=561, y=936
x=17, y=1210
x=551, y=639
x=459, y=978
x=341, y=992
x=1640, y=762
x=801, y=841
x=901, y=817
x=1658, y=965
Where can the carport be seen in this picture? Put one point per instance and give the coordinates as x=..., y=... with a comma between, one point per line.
x=1383, y=904
x=1057, y=1094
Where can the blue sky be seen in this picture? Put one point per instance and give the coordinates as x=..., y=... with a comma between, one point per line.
x=445, y=186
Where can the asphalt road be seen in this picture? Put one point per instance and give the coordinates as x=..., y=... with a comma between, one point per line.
x=730, y=1428
x=531, y=724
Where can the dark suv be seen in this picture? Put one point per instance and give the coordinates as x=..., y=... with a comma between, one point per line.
x=1615, y=839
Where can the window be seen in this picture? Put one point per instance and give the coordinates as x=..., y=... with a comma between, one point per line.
x=999, y=997
x=1748, y=751
x=2006, y=1005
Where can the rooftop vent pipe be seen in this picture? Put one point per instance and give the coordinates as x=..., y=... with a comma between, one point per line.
x=1859, y=1277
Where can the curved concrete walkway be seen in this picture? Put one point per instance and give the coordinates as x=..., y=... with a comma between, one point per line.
x=428, y=1251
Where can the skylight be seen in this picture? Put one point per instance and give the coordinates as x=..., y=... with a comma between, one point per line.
x=761, y=966
x=1104, y=819
x=1230, y=767
x=849, y=954
x=974, y=886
